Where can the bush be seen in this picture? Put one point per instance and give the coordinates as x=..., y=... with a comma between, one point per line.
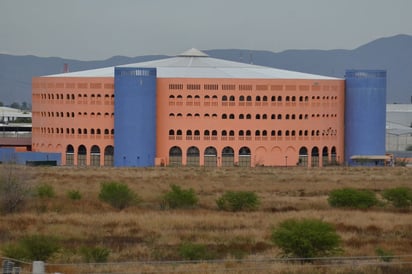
x=238, y=201
x=352, y=198
x=307, y=238
x=384, y=255
x=95, y=254
x=33, y=248
x=45, y=191
x=191, y=251
x=179, y=198
x=74, y=195
x=118, y=195
x=400, y=197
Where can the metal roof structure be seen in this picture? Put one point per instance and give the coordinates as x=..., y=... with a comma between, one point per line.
x=194, y=63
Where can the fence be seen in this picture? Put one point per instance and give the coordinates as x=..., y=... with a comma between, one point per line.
x=344, y=265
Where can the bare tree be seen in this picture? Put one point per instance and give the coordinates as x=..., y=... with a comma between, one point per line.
x=13, y=187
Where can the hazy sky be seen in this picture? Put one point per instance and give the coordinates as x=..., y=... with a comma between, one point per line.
x=99, y=29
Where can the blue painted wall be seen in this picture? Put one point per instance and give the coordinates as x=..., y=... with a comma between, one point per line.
x=135, y=117
x=8, y=155
x=365, y=113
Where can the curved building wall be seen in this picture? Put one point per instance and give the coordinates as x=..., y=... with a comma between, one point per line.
x=75, y=112
x=274, y=118
x=135, y=119
x=365, y=113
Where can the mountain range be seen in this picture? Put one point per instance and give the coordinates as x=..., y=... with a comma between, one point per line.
x=393, y=54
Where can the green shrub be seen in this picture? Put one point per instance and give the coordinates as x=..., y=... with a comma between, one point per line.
x=238, y=201
x=74, y=195
x=195, y=252
x=118, y=195
x=307, y=238
x=33, y=247
x=400, y=197
x=179, y=198
x=352, y=198
x=95, y=254
x=384, y=255
x=45, y=191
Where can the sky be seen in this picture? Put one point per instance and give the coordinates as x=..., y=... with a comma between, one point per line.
x=100, y=29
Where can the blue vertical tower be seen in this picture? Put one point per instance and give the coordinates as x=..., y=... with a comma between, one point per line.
x=365, y=113
x=135, y=117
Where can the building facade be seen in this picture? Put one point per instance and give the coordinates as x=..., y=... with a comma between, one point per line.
x=190, y=110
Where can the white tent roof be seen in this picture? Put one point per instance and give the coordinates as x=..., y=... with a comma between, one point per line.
x=196, y=64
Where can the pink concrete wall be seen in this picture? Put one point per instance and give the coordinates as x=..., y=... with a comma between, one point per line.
x=61, y=105
x=64, y=104
x=321, y=101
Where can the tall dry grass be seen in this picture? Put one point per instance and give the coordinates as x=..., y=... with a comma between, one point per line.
x=145, y=232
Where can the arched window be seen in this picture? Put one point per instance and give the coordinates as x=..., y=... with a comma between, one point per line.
x=241, y=133
x=69, y=155
x=242, y=98
x=244, y=157
x=95, y=156
x=228, y=157
x=81, y=155
x=108, y=155
x=231, y=116
x=171, y=132
x=303, y=156
x=257, y=116
x=224, y=98
x=241, y=116
x=224, y=116
x=248, y=116
x=175, y=156
x=210, y=157
x=192, y=156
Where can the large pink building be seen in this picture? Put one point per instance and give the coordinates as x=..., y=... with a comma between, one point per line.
x=190, y=110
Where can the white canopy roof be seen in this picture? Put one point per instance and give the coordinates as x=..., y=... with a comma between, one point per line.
x=196, y=64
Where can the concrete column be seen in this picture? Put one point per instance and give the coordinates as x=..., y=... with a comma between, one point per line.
x=38, y=267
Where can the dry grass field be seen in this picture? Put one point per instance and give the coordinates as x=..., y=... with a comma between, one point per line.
x=148, y=233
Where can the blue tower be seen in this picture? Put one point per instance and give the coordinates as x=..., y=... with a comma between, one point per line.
x=135, y=117
x=365, y=113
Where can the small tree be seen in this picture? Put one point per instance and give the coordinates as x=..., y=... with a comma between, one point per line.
x=33, y=247
x=238, y=201
x=400, y=197
x=179, y=198
x=307, y=238
x=118, y=195
x=352, y=198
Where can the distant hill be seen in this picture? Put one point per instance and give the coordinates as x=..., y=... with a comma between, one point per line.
x=392, y=53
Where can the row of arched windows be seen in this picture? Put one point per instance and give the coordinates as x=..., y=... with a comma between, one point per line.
x=248, y=116
x=72, y=96
x=61, y=114
x=241, y=133
x=94, y=159
x=92, y=131
x=249, y=98
x=226, y=155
